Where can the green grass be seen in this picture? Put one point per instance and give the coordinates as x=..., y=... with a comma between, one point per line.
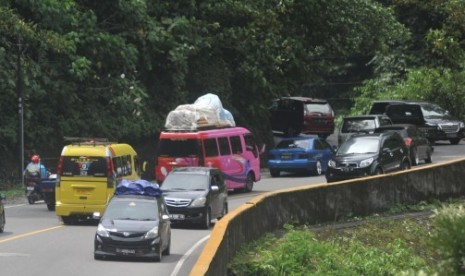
x=376, y=245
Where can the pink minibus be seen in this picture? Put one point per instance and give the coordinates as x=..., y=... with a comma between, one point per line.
x=233, y=150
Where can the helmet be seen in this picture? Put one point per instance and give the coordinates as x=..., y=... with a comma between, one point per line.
x=35, y=158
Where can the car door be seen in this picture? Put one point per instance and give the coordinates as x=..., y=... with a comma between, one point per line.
x=389, y=154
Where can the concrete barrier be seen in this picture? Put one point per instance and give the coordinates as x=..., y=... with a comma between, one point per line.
x=325, y=203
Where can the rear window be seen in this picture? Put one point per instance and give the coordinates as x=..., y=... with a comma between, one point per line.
x=179, y=147
x=288, y=144
x=84, y=166
x=356, y=125
x=318, y=108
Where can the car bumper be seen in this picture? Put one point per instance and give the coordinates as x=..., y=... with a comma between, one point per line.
x=77, y=210
x=109, y=247
x=291, y=165
x=187, y=215
x=339, y=174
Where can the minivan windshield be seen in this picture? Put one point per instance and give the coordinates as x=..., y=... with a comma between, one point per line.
x=359, y=145
x=184, y=181
x=128, y=209
x=358, y=124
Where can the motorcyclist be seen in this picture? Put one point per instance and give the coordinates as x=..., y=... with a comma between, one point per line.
x=35, y=170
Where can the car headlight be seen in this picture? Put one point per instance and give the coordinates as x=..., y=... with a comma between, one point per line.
x=102, y=231
x=366, y=162
x=332, y=163
x=199, y=202
x=153, y=233
x=462, y=125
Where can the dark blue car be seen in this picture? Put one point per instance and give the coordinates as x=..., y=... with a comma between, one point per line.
x=308, y=154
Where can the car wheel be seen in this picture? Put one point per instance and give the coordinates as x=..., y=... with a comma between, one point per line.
x=167, y=250
x=378, y=171
x=405, y=165
x=2, y=225
x=207, y=220
x=455, y=141
x=225, y=210
x=67, y=220
x=249, y=183
x=428, y=158
x=51, y=207
x=31, y=200
x=275, y=173
x=158, y=254
x=414, y=157
x=317, y=170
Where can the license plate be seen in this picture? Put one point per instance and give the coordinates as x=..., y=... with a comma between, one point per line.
x=286, y=157
x=125, y=251
x=83, y=191
x=451, y=135
x=346, y=169
x=176, y=216
x=30, y=188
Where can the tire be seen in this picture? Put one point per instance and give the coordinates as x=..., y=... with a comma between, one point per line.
x=224, y=211
x=167, y=250
x=378, y=171
x=31, y=199
x=158, y=255
x=415, y=158
x=428, y=159
x=51, y=207
x=318, y=170
x=2, y=226
x=405, y=165
x=455, y=141
x=249, y=183
x=275, y=172
x=67, y=220
x=207, y=219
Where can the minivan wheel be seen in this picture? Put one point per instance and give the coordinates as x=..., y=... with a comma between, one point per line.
x=67, y=220
x=275, y=172
x=225, y=210
x=405, y=165
x=167, y=250
x=207, y=219
x=378, y=171
x=158, y=254
x=248, y=183
x=428, y=158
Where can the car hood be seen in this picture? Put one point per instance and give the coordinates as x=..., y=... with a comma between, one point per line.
x=353, y=157
x=184, y=194
x=129, y=225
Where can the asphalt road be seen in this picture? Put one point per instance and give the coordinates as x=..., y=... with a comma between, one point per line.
x=35, y=242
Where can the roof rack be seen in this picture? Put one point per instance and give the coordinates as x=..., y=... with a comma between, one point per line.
x=87, y=140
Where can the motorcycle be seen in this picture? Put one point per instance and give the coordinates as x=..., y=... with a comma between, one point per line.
x=33, y=190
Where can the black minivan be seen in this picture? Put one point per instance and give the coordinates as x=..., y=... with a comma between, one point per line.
x=195, y=195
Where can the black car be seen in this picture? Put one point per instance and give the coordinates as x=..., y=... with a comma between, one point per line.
x=419, y=146
x=434, y=121
x=195, y=195
x=2, y=214
x=368, y=154
x=135, y=224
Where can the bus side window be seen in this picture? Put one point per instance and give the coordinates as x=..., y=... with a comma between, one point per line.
x=225, y=149
x=236, y=145
x=250, y=144
x=211, y=147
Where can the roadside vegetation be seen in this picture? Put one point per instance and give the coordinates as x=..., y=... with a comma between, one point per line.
x=427, y=239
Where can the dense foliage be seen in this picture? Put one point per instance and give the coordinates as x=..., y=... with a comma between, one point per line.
x=116, y=68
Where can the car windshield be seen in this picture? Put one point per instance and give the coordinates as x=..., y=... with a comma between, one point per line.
x=131, y=210
x=184, y=181
x=359, y=145
x=432, y=111
x=287, y=144
x=358, y=124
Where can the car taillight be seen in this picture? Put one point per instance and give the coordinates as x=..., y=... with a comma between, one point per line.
x=110, y=174
x=408, y=141
x=59, y=169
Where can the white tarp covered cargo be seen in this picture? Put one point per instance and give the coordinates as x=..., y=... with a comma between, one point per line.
x=206, y=112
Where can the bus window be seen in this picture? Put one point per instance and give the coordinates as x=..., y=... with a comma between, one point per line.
x=224, y=146
x=236, y=144
x=211, y=148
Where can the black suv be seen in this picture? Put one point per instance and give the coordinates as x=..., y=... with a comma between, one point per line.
x=368, y=154
x=195, y=195
x=435, y=122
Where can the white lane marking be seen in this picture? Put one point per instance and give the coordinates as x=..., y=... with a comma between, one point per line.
x=12, y=206
x=187, y=255
x=6, y=254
